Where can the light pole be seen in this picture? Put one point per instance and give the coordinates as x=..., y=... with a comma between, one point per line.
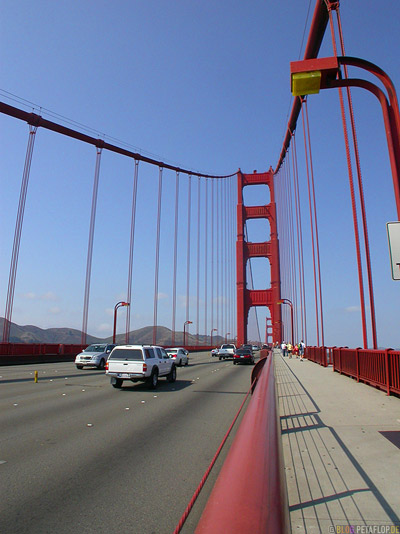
x=289, y=302
x=226, y=336
x=118, y=305
x=184, y=332
x=211, y=335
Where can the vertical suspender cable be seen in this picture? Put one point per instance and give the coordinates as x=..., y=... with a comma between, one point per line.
x=157, y=264
x=222, y=254
x=231, y=261
x=17, y=234
x=198, y=264
x=311, y=225
x=206, y=258
x=175, y=257
x=212, y=252
x=218, y=257
x=188, y=246
x=234, y=237
x=288, y=236
x=90, y=246
x=301, y=251
x=299, y=301
x=316, y=227
x=131, y=248
x=359, y=177
x=292, y=255
x=228, y=240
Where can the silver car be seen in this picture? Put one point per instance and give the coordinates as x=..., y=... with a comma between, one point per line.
x=179, y=355
x=94, y=356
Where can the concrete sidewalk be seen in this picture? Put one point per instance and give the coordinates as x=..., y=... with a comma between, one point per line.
x=341, y=443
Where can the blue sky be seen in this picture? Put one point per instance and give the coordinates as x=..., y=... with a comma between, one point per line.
x=202, y=85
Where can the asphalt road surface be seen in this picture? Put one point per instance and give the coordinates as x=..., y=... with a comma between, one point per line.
x=79, y=456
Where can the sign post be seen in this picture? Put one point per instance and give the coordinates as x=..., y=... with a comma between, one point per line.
x=393, y=231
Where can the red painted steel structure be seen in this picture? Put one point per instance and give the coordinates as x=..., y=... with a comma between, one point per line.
x=245, y=250
x=24, y=353
x=249, y=496
x=378, y=368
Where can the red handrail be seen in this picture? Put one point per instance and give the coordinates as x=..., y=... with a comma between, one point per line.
x=249, y=496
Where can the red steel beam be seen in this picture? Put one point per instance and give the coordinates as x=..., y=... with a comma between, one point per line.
x=317, y=31
x=37, y=120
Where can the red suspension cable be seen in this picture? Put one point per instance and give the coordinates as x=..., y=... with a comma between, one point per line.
x=131, y=248
x=90, y=246
x=301, y=250
x=17, y=234
x=206, y=258
x=310, y=204
x=316, y=227
x=359, y=178
x=353, y=198
x=189, y=216
x=157, y=262
x=198, y=264
x=175, y=257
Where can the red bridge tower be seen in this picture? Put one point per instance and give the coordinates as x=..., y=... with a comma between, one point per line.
x=246, y=298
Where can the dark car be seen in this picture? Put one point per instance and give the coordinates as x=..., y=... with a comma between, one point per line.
x=243, y=356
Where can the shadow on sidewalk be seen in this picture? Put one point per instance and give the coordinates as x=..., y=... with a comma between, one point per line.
x=327, y=486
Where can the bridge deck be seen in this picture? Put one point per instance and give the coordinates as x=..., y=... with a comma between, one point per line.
x=341, y=443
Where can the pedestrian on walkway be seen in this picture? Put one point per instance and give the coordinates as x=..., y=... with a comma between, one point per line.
x=289, y=348
x=296, y=350
x=284, y=349
x=301, y=350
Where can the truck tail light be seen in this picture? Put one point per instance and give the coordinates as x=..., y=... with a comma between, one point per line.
x=144, y=367
x=106, y=366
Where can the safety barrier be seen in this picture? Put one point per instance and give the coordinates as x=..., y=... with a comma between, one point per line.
x=317, y=355
x=18, y=353
x=249, y=496
x=379, y=368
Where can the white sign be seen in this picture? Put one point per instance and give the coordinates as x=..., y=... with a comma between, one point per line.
x=393, y=230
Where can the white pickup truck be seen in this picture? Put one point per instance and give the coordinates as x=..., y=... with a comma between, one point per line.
x=226, y=351
x=136, y=363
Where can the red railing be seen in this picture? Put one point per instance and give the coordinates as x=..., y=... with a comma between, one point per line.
x=379, y=368
x=249, y=496
x=15, y=353
x=317, y=355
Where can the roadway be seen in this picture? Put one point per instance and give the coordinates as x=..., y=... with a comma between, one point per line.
x=78, y=456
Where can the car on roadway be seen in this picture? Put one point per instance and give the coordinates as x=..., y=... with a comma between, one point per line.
x=94, y=355
x=179, y=355
x=247, y=346
x=226, y=351
x=255, y=347
x=214, y=352
x=243, y=355
x=139, y=363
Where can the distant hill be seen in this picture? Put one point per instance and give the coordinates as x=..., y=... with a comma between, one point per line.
x=34, y=334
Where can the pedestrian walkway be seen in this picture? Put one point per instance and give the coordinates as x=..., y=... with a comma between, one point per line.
x=341, y=444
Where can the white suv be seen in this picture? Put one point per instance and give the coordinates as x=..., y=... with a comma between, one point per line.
x=226, y=351
x=144, y=363
x=94, y=356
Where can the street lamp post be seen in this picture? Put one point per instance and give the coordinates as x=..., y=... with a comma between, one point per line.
x=118, y=305
x=184, y=332
x=289, y=302
x=211, y=335
x=226, y=336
